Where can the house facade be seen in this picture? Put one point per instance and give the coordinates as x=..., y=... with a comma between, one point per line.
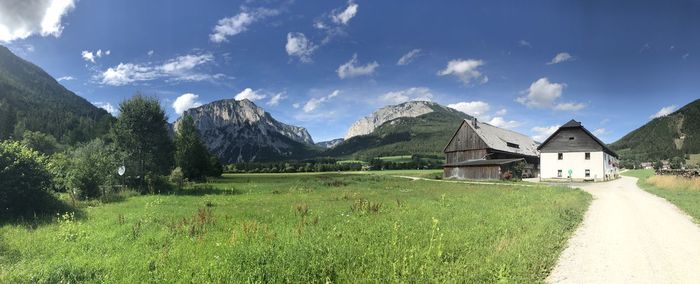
x=479, y=150
x=574, y=153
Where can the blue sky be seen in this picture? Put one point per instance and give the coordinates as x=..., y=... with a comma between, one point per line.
x=525, y=65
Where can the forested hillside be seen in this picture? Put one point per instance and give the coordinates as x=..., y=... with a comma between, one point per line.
x=30, y=99
x=665, y=137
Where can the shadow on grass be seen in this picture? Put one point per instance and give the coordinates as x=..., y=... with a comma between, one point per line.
x=205, y=190
x=51, y=208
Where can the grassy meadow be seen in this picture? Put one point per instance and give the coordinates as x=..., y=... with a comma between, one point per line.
x=328, y=227
x=683, y=192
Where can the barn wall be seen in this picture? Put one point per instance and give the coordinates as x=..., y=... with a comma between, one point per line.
x=482, y=172
x=561, y=143
x=465, y=139
x=461, y=156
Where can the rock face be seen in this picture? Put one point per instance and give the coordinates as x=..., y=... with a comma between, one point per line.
x=240, y=131
x=367, y=124
x=330, y=143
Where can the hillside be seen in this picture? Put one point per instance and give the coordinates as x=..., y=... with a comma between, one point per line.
x=425, y=134
x=240, y=131
x=665, y=137
x=30, y=99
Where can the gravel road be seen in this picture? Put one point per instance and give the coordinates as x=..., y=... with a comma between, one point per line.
x=630, y=236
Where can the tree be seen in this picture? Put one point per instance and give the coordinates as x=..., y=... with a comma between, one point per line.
x=677, y=162
x=190, y=154
x=89, y=169
x=8, y=118
x=25, y=182
x=42, y=142
x=141, y=131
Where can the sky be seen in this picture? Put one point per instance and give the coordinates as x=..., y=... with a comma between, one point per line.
x=529, y=66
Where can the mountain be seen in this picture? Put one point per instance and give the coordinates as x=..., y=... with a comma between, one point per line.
x=425, y=130
x=240, y=131
x=330, y=143
x=368, y=123
x=30, y=99
x=665, y=137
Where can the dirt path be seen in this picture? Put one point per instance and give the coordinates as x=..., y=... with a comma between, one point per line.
x=630, y=236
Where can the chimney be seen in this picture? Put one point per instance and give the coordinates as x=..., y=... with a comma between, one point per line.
x=474, y=122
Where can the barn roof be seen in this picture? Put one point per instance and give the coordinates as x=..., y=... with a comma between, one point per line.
x=484, y=162
x=502, y=139
x=576, y=124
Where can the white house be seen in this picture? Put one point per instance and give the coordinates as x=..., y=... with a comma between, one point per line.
x=574, y=153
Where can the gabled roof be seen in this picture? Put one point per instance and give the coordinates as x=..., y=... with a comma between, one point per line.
x=576, y=124
x=499, y=138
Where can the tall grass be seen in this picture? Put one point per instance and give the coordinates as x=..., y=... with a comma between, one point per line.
x=681, y=191
x=304, y=228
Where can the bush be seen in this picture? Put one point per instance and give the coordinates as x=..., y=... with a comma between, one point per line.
x=87, y=170
x=177, y=177
x=25, y=182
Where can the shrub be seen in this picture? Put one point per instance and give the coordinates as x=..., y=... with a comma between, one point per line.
x=25, y=182
x=88, y=169
x=177, y=177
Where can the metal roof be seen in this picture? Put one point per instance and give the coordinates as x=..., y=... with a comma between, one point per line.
x=484, y=162
x=498, y=139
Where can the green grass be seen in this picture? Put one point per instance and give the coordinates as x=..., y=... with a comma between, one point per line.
x=694, y=160
x=687, y=199
x=304, y=228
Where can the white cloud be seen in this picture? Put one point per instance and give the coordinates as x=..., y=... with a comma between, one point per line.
x=91, y=56
x=664, y=111
x=185, y=102
x=176, y=69
x=151, y=52
x=299, y=46
x=560, y=57
x=314, y=103
x=231, y=26
x=524, y=43
x=346, y=15
x=540, y=133
x=464, y=69
x=351, y=69
x=600, y=131
x=107, y=106
x=410, y=94
x=20, y=19
x=569, y=106
x=249, y=94
x=543, y=94
x=501, y=112
x=65, y=78
x=275, y=100
x=476, y=108
x=408, y=57
x=296, y=105
x=502, y=123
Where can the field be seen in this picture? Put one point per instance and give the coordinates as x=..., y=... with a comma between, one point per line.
x=694, y=160
x=683, y=192
x=302, y=228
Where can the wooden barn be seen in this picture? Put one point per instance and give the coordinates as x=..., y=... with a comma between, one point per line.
x=479, y=150
x=574, y=153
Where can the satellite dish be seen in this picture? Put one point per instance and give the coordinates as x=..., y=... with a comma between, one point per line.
x=121, y=170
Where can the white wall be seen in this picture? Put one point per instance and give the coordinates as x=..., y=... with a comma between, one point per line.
x=576, y=161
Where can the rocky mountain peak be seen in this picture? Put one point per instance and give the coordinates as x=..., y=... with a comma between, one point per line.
x=368, y=123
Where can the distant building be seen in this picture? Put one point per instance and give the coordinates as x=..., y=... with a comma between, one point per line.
x=479, y=150
x=573, y=152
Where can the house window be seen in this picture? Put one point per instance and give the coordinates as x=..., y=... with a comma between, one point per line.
x=513, y=145
x=588, y=156
x=588, y=173
x=559, y=173
x=571, y=138
x=560, y=156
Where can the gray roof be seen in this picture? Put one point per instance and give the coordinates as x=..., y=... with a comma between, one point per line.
x=484, y=162
x=498, y=139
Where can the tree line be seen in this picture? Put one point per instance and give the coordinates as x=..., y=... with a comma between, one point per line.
x=34, y=165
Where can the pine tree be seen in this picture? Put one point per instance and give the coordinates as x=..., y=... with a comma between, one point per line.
x=190, y=154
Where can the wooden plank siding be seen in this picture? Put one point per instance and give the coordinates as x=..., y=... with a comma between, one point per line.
x=562, y=142
x=460, y=156
x=482, y=172
x=465, y=139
